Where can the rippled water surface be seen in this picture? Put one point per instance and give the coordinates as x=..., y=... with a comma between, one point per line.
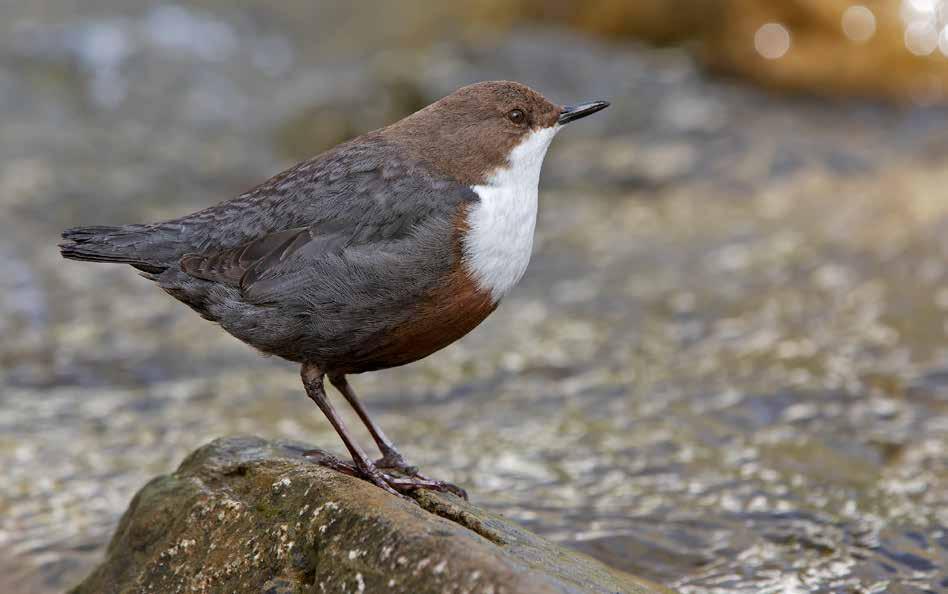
x=725, y=369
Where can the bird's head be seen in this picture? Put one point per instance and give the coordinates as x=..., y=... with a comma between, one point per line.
x=487, y=126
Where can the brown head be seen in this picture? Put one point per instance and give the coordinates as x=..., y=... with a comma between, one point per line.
x=470, y=133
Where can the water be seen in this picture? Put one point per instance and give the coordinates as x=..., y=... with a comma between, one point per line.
x=724, y=370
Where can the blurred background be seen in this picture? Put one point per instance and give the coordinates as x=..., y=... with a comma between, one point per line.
x=725, y=369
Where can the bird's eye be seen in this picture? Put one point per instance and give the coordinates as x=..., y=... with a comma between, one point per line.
x=516, y=116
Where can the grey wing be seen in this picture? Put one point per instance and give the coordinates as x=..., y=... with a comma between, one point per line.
x=392, y=231
x=334, y=193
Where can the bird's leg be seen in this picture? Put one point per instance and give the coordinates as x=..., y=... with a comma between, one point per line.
x=391, y=457
x=313, y=382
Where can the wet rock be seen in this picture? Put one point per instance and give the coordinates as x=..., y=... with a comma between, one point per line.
x=247, y=515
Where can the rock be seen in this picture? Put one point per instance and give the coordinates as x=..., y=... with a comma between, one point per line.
x=247, y=515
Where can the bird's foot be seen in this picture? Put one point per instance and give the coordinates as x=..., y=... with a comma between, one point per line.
x=329, y=461
x=367, y=472
x=396, y=485
x=393, y=460
x=419, y=481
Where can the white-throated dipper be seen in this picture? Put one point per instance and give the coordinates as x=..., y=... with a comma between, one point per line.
x=374, y=254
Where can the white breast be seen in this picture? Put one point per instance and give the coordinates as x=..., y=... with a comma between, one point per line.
x=498, y=245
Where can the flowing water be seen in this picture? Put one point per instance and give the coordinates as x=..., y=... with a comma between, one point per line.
x=725, y=369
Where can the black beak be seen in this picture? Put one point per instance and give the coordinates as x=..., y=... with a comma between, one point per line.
x=581, y=110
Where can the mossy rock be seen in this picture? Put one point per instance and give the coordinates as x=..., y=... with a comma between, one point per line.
x=248, y=515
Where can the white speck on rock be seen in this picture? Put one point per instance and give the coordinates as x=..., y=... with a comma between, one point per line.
x=422, y=564
x=360, y=582
x=327, y=505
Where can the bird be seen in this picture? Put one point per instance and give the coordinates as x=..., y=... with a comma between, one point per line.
x=373, y=254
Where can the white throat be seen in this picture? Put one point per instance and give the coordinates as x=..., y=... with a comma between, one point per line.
x=498, y=245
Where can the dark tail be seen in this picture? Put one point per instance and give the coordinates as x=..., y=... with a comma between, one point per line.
x=127, y=245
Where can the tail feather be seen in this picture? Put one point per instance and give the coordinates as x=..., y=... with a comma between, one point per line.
x=126, y=245
x=90, y=232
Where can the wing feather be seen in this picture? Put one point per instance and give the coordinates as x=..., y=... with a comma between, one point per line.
x=376, y=207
